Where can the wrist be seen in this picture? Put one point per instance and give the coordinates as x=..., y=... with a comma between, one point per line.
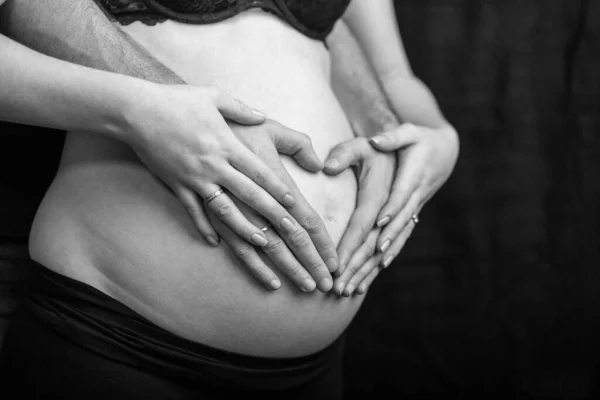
x=134, y=106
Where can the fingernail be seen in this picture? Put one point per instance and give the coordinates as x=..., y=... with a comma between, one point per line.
x=361, y=289
x=289, y=200
x=378, y=140
x=259, y=240
x=287, y=225
x=349, y=290
x=387, y=261
x=325, y=284
x=333, y=163
x=332, y=264
x=339, y=288
x=383, y=221
x=385, y=245
x=212, y=240
x=308, y=286
x=275, y=284
x=258, y=114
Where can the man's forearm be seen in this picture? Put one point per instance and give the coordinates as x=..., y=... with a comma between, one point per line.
x=80, y=32
x=356, y=86
x=39, y=90
x=374, y=26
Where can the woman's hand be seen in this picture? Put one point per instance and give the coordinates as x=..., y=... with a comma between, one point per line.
x=375, y=172
x=298, y=246
x=182, y=137
x=426, y=158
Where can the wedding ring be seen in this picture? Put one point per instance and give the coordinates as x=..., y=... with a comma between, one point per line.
x=415, y=218
x=266, y=227
x=213, y=196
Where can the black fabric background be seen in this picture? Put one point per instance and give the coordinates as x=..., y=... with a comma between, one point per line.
x=497, y=293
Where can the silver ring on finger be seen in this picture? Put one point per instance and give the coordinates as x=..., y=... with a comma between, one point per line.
x=266, y=227
x=415, y=218
x=213, y=196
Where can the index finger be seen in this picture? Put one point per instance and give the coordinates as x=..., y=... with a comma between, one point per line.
x=362, y=221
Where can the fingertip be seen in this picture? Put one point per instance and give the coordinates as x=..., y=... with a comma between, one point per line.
x=383, y=221
x=325, y=285
x=377, y=141
x=348, y=291
x=311, y=164
x=316, y=165
x=330, y=171
x=333, y=264
x=332, y=166
x=212, y=240
x=258, y=114
x=275, y=284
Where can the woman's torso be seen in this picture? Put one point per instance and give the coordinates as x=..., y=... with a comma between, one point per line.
x=108, y=222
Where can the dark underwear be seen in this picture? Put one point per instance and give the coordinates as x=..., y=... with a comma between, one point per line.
x=69, y=340
x=314, y=19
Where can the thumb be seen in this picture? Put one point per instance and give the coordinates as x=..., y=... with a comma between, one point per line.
x=233, y=109
x=297, y=145
x=342, y=156
x=403, y=136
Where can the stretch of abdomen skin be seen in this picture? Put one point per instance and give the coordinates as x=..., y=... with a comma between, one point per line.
x=108, y=222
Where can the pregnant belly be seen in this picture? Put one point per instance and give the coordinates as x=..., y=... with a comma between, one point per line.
x=108, y=222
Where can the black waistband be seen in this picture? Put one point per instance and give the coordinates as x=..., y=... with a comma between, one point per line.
x=96, y=321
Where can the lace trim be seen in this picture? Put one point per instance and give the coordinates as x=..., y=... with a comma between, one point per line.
x=313, y=18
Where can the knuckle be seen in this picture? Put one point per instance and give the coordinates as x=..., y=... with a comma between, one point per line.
x=251, y=195
x=240, y=106
x=305, y=140
x=316, y=266
x=296, y=271
x=242, y=251
x=225, y=211
x=363, y=233
x=260, y=177
x=370, y=247
x=192, y=210
x=353, y=269
x=299, y=238
x=274, y=245
x=326, y=248
x=312, y=223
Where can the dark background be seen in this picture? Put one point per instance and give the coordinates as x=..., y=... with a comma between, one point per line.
x=497, y=293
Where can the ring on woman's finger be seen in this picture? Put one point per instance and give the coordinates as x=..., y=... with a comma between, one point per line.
x=213, y=196
x=266, y=227
x=415, y=218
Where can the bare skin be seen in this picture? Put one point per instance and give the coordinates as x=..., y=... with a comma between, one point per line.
x=108, y=222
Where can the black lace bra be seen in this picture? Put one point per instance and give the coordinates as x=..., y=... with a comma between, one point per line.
x=313, y=18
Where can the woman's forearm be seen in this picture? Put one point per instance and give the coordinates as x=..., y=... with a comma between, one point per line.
x=39, y=90
x=412, y=101
x=376, y=30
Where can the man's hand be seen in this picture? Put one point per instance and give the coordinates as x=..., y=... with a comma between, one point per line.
x=375, y=172
x=299, y=242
